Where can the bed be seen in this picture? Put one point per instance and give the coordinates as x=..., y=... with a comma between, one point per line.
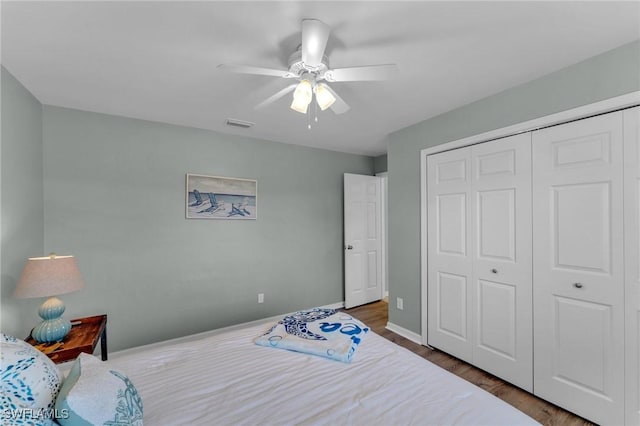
x=226, y=379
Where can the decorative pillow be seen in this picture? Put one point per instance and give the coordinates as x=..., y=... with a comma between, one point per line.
x=319, y=331
x=94, y=394
x=30, y=383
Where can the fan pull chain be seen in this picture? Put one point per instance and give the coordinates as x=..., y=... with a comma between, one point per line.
x=315, y=110
x=309, y=113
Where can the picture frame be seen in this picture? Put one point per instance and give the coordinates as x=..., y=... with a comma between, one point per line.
x=217, y=197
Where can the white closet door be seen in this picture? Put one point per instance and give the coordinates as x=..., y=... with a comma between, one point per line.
x=578, y=267
x=631, y=120
x=449, y=252
x=502, y=293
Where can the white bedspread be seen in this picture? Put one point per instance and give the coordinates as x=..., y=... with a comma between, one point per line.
x=226, y=379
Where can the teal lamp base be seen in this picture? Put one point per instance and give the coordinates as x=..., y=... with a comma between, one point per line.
x=54, y=328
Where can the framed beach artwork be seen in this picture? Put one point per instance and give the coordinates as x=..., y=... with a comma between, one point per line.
x=214, y=197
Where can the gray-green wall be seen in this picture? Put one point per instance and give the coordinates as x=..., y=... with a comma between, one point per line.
x=114, y=195
x=608, y=75
x=380, y=163
x=21, y=199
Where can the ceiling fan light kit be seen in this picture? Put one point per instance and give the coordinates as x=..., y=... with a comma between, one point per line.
x=323, y=96
x=302, y=96
x=309, y=65
x=304, y=92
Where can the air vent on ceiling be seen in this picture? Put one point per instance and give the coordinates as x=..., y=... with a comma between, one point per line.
x=238, y=123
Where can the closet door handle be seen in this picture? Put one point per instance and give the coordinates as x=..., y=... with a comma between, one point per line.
x=494, y=270
x=577, y=285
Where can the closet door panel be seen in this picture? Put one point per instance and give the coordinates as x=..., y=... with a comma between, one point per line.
x=577, y=208
x=496, y=211
x=631, y=119
x=451, y=228
x=578, y=267
x=497, y=320
x=502, y=293
x=449, y=258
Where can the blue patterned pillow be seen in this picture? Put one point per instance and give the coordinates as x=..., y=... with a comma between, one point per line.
x=30, y=383
x=94, y=394
x=319, y=331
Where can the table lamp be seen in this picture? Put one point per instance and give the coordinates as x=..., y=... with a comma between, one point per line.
x=47, y=277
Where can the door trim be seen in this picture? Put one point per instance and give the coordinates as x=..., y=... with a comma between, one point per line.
x=584, y=111
x=385, y=231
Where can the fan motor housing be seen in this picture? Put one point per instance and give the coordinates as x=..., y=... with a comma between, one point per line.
x=298, y=67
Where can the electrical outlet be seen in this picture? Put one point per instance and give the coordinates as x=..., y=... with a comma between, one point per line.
x=399, y=303
x=260, y=297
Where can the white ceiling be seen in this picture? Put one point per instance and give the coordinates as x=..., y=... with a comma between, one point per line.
x=157, y=60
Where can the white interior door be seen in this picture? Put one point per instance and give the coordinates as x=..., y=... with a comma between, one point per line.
x=449, y=252
x=631, y=120
x=362, y=239
x=501, y=246
x=578, y=267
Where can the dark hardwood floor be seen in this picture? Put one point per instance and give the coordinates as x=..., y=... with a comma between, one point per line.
x=375, y=315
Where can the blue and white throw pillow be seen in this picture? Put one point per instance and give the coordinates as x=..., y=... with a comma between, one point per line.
x=319, y=331
x=30, y=382
x=94, y=394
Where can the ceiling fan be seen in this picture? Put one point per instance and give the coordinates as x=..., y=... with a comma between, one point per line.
x=310, y=67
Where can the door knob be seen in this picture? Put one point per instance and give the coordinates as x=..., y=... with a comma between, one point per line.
x=577, y=285
x=494, y=270
x=349, y=247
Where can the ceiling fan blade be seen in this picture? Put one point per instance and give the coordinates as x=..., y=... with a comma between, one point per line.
x=367, y=73
x=271, y=99
x=314, y=40
x=244, y=69
x=339, y=106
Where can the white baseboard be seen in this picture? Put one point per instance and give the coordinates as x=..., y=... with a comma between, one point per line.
x=337, y=305
x=208, y=333
x=407, y=334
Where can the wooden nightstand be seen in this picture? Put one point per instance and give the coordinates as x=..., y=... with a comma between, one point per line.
x=83, y=337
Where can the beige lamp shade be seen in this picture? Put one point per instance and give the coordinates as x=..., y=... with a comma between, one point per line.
x=49, y=276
